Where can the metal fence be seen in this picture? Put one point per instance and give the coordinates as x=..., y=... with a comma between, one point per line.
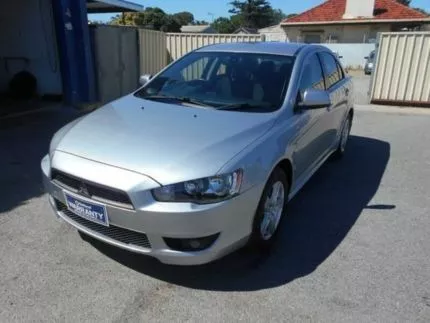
x=179, y=44
x=153, y=51
x=116, y=58
x=123, y=53
x=402, y=72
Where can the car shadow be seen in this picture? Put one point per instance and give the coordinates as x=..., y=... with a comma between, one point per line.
x=319, y=218
x=24, y=140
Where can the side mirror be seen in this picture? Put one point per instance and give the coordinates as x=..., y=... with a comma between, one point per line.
x=144, y=79
x=314, y=99
x=367, y=57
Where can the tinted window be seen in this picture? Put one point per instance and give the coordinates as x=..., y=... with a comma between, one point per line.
x=221, y=79
x=195, y=71
x=312, y=76
x=330, y=69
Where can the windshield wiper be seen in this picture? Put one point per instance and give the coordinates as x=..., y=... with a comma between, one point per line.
x=241, y=106
x=181, y=99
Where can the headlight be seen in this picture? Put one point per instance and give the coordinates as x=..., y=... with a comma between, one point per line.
x=202, y=191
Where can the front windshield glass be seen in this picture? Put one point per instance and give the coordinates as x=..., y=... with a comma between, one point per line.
x=224, y=80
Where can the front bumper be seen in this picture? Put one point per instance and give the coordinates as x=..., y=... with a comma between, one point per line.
x=230, y=221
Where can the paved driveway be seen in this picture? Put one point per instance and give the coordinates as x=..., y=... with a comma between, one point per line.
x=361, y=88
x=355, y=247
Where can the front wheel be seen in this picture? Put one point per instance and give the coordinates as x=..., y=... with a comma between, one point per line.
x=271, y=209
x=344, y=136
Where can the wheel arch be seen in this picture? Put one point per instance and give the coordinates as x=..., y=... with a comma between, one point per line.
x=287, y=167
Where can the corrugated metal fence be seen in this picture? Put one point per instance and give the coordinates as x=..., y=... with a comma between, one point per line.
x=123, y=53
x=180, y=44
x=153, y=51
x=402, y=74
x=116, y=60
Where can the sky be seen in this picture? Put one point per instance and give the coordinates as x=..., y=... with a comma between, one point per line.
x=204, y=9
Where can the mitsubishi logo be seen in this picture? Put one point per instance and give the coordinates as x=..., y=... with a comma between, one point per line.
x=83, y=190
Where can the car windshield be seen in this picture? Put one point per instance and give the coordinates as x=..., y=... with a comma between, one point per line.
x=372, y=56
x=224, y=80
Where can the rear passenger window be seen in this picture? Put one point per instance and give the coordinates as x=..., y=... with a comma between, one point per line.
x=312, y=77
x=331, y=69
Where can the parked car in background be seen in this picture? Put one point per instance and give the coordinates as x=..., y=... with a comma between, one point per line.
x=205, y=156
x=370, y=63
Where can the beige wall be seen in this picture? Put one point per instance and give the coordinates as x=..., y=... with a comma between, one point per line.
x=336, y=33
x=274, y=33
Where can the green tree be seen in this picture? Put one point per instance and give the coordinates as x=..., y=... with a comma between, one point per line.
x=223, y=25
x=277, y=16
x=123, y=19
x=236, y=21
x=154, y=17
x=200, y=22
x=171, y=24
x=183, y=18
x=254, y=13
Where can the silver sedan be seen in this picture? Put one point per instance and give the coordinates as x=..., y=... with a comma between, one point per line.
x=205, y=156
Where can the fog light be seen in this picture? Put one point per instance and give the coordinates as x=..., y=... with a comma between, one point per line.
x=193, y=244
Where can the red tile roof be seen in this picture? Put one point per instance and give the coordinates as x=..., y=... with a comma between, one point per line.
x=333, y=10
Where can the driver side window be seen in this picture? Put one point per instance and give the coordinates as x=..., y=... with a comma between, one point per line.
x=312, y=77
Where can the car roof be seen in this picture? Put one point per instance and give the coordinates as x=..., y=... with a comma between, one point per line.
x=275, y=48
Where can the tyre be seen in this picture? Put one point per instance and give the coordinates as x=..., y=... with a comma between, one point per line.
x=271, y=210
x=344, y=136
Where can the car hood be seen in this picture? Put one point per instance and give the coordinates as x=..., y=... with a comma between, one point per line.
x=167, y=142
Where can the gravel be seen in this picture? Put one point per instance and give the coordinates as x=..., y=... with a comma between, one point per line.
x=355, y=247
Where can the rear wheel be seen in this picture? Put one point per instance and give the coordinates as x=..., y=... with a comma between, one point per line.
x=271, y=210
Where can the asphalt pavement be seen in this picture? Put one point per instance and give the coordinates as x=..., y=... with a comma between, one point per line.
x=361, y=84
x=354, y=248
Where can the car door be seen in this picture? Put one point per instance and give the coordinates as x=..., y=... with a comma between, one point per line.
x=311, y=124
x=337, y=86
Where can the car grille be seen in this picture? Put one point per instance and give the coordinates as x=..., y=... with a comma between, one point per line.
x=113, y=232
x=97, y=192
